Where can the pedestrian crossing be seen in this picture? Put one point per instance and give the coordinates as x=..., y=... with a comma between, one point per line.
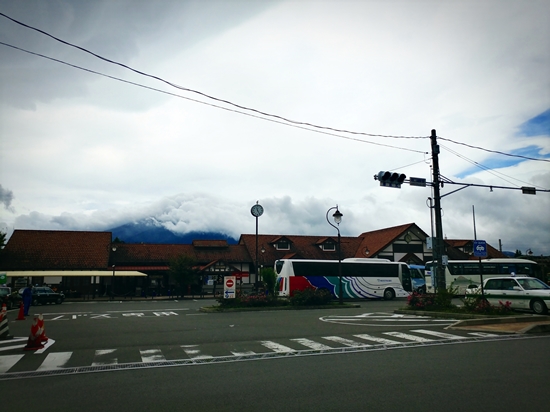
x=17, y=363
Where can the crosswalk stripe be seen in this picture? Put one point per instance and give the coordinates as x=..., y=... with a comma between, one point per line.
x=194, y=353
x=343, y=341
x=483, y=334
x=55, y=360
x=101, y=358
x=152, y=355
x=408, y=337
x=248, y=353
x=311, y=344
x=376, y=339
x=276, y=347
x=439, y=334
x=7, y=361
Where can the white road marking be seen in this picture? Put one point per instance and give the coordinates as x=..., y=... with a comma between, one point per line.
x=194, y=353
x=483, y=334
x=152, y=355
x=47, y=345
x=276, y=347
x=6, y=342
x=101, y=357
x=249, y=353
x=343, y=341
x=376, y=339
x=311, y=344
x=439, y=334
x=384, y=319
x=408, y=337
x=7, y=361
x=55, y=360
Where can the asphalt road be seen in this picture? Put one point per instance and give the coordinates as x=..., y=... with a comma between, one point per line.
x=162, y=355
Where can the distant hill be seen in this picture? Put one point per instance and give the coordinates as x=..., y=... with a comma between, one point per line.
x=149, y=232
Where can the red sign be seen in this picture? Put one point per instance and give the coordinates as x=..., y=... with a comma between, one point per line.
x=229, y=283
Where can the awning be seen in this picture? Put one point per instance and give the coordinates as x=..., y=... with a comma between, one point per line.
x=48, y=273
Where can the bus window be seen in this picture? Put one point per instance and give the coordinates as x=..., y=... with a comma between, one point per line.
x=489, y=269
x=455, y=268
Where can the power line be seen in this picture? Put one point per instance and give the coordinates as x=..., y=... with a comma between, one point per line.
x=205, y=103
x=281, y=118
x=494, y=151
x=485, y=168
x=204, y=94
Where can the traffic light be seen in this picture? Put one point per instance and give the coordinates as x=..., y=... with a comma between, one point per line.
x=390, y=179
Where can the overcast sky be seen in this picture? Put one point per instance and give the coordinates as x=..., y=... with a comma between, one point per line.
x=81, y=151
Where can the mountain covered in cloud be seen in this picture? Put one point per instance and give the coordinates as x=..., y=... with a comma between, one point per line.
x=146, y=232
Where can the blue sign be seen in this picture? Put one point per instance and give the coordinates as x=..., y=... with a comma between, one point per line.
x=480, y=248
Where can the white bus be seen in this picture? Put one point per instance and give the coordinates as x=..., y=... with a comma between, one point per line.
x=460, y=274
x=361, y=278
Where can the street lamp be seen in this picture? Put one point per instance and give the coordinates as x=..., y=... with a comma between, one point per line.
x=113, y=248
x=337, y=216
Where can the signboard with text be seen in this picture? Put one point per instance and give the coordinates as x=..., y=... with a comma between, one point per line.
x=229, y=283
x=480, y=248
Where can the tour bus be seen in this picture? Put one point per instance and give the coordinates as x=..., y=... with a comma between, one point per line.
x=361, y=278
x=459, y=274
x=417, y=278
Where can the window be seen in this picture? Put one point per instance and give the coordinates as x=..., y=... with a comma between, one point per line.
x=282, y=245
x=328, y=246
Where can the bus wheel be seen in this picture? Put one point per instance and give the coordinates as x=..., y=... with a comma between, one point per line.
x=538, y=307
x=389, y=294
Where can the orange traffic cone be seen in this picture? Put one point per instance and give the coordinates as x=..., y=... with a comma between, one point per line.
x=4, y=325
x=21, y=315
x=34, y=338
x=43, y=338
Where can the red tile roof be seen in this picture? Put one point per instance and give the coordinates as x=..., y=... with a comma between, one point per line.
x=301, y=247
x=378, y=240
x=56, y=250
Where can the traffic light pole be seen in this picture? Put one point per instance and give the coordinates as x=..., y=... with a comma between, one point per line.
x=439, y=249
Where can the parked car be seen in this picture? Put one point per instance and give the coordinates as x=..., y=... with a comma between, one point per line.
x=522, y=292
x=7, y=297
x=43, y=294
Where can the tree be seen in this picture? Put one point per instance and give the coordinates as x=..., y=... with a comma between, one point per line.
x=270, y=280
x=2, y=240
x=518, y=253
x=183, y=270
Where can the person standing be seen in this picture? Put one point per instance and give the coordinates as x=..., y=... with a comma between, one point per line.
x=27, y=299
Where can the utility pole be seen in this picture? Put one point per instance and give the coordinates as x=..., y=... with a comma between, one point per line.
x=439, y=249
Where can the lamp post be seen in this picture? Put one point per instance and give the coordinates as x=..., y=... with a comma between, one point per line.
x=113, y=248
x=257, y=210
x=337, y=216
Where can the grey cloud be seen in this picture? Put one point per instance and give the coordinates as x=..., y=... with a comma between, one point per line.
x=6, y=197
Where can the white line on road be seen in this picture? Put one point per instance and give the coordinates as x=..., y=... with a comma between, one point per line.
x=7, y=361
x=311, y=344
x=152, y=355
x=376, y=339
x=101, y=357
x=249, y=353
x=49, y=343
x=438, y=334
x=276, y=347
x=55, y=360
x=346, y=342
x=194, y=353
x=408, y=337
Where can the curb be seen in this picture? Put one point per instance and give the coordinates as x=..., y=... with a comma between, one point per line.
x=217, y=309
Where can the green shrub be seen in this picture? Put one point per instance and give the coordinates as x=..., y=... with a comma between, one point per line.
x=442, y=300
x=249, y=301
x=311, y=297
x=478, y=304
